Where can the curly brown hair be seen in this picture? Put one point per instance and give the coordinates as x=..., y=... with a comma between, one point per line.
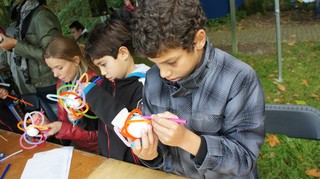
x=160, y=25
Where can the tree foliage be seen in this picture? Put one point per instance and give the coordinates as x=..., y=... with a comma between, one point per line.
x=71, y=10
x=4, y=16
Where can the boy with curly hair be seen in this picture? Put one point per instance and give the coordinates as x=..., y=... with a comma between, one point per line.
x=220, y=97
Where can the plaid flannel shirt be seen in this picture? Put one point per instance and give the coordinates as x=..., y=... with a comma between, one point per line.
x=223, y=101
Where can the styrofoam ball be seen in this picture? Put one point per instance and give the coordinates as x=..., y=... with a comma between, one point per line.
x=73, y=102
x=31, y=131
x=135, y=128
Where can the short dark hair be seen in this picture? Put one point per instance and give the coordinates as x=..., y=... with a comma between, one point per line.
x=107, y=38
x=160, y=25
x=77, y=25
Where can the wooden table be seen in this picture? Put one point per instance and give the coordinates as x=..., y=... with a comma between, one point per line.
x=114, y=169
x=83, y=164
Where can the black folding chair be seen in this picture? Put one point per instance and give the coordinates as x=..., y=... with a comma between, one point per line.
x=297, y=121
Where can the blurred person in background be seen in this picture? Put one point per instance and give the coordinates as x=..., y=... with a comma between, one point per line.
x=79, y=32
x=129, y=5
x=36, y=25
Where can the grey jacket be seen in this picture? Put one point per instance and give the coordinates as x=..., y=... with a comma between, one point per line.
x=223, y=101
x=16, y=72
x=43, y=26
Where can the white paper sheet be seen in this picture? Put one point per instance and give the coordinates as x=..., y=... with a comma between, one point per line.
x=53, y=164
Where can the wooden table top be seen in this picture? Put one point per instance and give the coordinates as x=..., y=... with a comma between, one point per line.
x=83, y=164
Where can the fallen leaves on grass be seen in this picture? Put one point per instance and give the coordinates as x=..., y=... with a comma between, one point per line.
x=300, y=102
x=276, y=100
x=295, y=95
x=291, y=43
x=315, y=96
x=281, y=87
x=271, y=75
x=272, y=155
x=305, y=83
x=293, y=35
x=272, y=140
x=313, y=173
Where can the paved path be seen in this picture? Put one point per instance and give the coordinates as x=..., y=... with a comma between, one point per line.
x=292, y=33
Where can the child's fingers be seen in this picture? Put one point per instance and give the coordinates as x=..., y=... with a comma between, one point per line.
x=50, y=128
x=163, y=122
x=150, y=135
x=137, y=145
x=162, y=126
x=144, y=139
x=145, y=147
x=153, y=138
x=167, y=114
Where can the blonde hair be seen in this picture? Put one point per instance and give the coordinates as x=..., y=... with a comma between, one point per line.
x=66, y=48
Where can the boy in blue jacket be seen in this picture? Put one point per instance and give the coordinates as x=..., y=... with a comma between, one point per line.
x=109, y=47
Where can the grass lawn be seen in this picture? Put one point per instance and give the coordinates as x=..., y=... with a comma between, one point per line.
x=301, y=85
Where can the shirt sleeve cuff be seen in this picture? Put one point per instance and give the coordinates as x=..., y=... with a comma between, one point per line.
x=201, y=155
x=155, y=163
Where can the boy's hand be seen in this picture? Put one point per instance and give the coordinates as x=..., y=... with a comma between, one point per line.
x=174, y=134
x=149, y=142
x=169, y=132
x=3, y=93
x=54, y=127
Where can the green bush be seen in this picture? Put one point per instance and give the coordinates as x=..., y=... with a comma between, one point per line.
x=78, y=10
x=4, y=16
